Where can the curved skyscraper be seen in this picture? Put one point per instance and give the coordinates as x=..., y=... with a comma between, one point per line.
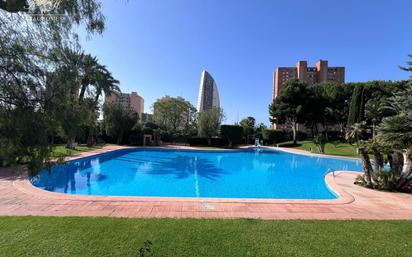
x=208, y=93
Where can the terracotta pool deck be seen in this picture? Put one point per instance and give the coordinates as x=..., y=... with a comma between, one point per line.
x=18, y=197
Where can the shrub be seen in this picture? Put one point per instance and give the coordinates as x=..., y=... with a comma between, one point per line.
x=197, y=141
x=217, y=141
x=383, y=180
x=272, y=136
x=232, y=133
x=135, y=139
x=320, y=141
x=301, y=135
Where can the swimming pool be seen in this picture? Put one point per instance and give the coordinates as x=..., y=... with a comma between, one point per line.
x=196, y=173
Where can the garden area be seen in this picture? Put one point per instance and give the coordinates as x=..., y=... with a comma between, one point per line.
x=339, y=148
x=52, y=105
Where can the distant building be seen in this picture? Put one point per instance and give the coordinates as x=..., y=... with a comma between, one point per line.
x=208, y=94
x=132, y=100
x=309, y=75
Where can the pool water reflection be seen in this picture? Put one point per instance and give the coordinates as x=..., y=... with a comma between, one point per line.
x=191, y=173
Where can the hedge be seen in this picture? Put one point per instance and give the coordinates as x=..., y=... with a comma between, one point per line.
x=233, y=133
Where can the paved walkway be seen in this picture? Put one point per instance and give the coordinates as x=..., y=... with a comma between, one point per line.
x=19, y=197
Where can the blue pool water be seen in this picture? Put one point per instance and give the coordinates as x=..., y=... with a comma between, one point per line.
x=189, y=173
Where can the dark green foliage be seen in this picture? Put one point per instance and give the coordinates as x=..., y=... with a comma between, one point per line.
x=272, y=136
x=175, y=116
x=382, y=180
x=146, y=250
x=37, y=80
x=208, y=123
x=320, y=141
x=14, y=6
x=198, y=141
x=356, y=108
x=218, y=142
x=249, y=129
x=119, y=122
x=232, y=133
x=291, y=106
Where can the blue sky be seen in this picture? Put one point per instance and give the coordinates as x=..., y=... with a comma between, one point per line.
x=160, y=47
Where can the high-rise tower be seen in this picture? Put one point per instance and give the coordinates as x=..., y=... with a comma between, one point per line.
x=208, y=94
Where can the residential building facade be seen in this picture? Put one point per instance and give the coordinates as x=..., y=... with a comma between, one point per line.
x=310, y=75
x=132, y=100
x=208, y=93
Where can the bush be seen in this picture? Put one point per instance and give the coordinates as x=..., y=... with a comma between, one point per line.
x=232, y=133
x=300, y=135
x=383, y=180
x=198, y=141
x=135, y=139
x=272, y=136
x=217, y=141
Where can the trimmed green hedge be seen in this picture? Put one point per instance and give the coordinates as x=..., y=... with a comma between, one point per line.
x=233, y=133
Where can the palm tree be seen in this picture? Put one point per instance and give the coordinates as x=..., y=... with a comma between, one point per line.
x=396, y=131
x=373, y=112
x=105, y=83
x=90, y=69
x=355, y=131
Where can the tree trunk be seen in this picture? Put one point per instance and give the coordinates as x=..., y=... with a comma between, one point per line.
x=406, y=171
x=321, y=147
x=396, y=162
x=378, y=164
x=294, y=124
x=407, y=163
x=82, y=92
x=71, y=143
x=90, y=137
x=120, y=137
x=373, y=128
x=367, y=167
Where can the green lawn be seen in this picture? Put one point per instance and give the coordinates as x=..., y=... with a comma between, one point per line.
x=44, y=236
x=338, y=148
x=61, y=150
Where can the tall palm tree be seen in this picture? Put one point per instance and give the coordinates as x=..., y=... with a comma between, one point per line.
x=105, y=83
x=90, y=69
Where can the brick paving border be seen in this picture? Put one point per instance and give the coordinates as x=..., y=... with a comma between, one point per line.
x=18, y=197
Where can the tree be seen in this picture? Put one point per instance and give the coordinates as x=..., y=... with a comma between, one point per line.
x=209, y=122
x=374, y=113
x=27, y=57
x=175, y=115
x=355, y=132
x=356, y=106
x=119, y=121
x=394, y=134
x=248, y=125
x=232, y=133
x=329, y=105
x=290, y=105
x=272, y=136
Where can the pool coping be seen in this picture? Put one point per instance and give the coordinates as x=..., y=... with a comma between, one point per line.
x=18, y=197
x=343, y=197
